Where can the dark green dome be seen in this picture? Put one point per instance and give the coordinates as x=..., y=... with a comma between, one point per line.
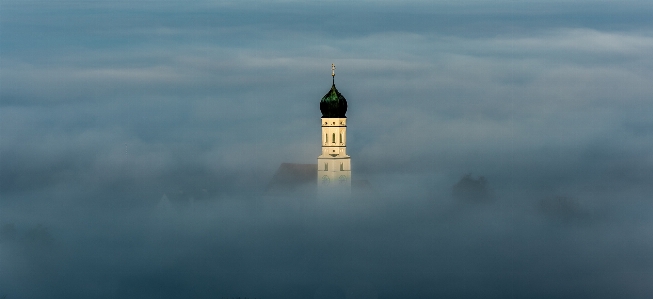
x=333, y=104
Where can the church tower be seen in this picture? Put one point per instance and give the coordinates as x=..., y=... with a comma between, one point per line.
x=334, y=165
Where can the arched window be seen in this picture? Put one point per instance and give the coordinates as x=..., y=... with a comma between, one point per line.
x=341, y=168
x=340, y=137
x=326, y=138
x=326, y=166
x=333, y=138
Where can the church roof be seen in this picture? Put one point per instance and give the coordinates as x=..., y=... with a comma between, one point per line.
x=292, y=177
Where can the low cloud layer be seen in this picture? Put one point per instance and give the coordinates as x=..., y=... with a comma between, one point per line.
x=106, y=108
x=367, y=248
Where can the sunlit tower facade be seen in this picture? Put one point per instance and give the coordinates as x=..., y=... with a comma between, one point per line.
x=334, y=165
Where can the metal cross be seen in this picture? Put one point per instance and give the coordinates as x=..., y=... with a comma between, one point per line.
x=333, y=70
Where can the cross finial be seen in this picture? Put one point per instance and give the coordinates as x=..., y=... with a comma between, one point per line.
x=333, y=70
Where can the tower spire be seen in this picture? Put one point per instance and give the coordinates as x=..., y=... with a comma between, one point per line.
x=334, y=165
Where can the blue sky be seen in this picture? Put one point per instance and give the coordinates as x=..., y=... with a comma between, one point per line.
x=122, y=101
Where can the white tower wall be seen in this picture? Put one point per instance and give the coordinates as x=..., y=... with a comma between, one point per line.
x=334, y=165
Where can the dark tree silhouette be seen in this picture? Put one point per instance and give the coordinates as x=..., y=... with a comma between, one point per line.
x=563, y=208
x=474, y=190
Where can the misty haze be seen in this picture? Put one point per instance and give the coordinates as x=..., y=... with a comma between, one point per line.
x=169, y=150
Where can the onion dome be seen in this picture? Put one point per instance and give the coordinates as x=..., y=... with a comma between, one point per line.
x=333, y=104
